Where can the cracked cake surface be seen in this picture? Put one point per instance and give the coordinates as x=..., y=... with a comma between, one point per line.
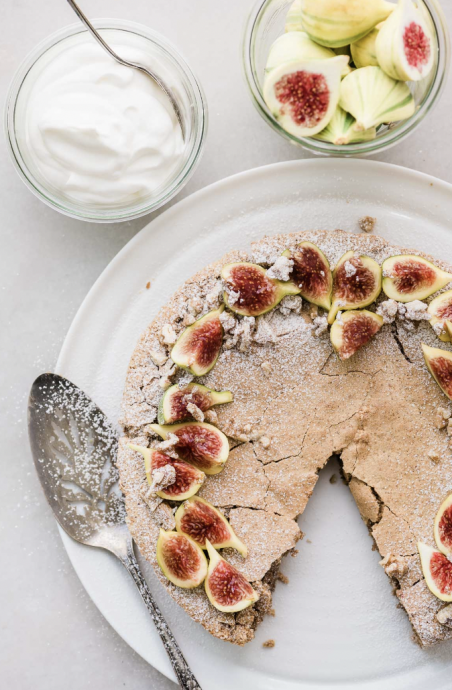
x=295, y=405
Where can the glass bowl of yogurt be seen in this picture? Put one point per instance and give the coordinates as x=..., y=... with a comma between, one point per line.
x=97, y=140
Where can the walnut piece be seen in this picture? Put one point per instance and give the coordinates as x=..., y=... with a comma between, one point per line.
x=195, y=411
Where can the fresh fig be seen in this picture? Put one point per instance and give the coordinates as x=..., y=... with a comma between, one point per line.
x=443, y=527
x=356, y=283
x=228, y=590
x=201, y=521
x=404, y=44
x=353, y=331
x=297, y=45
x=408, y=278
x=200, y=444
x=303, y=95
x=373, y=98
x=342, y=130
x=439, y=363
x=441, y=311
x=335, y=23
x=198, y=347
x=437, y=571
x=250, y=292
x=311, y=274
x=182, y=561
x=173, y=405
x=364, y=51
x=188, y=478
x=293, y=17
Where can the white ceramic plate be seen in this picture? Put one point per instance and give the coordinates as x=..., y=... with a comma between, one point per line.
x=336, y=624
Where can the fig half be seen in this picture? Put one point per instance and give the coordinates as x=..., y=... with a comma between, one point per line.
x=198, y=347
x=404, y=44
x=437, y=571
x=311, y=274
x=302, y=95
x=200, y=444
x=250, y=292
x=353, y=331
x=201, y=521
x=439, y=363
x=440, y=309
x=356, y=283
x=407, y=278
x=228, y=590
x=373, y=98
x=182, y=561
x=188, y=478
x=173, y=405
x=443, y=527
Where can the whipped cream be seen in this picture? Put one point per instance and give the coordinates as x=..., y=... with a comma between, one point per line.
x=96, y=132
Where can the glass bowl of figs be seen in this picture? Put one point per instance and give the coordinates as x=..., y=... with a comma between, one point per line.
x=346, y=77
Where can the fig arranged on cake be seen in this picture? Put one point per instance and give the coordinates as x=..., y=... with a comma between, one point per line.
x=258, y=370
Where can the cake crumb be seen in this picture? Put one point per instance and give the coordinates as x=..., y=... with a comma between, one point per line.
x=169, y=334
x=272, y=612
x=266, y=366
x=269, y=644
x=211, y=416
x=443, y=416
x=195, y=412
x=148, y=285
x=367, y=223
x=283, y=578
x=294, y=553
x=265, y=442
x=333, y=479
x=434, y=457
x=444, y=616
x=320, y=325
x=281, y=269
x=308, y=541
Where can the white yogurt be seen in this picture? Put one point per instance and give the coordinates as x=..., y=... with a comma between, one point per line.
x=97, y=132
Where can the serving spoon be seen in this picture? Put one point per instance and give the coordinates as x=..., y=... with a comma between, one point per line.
x=74, y=449
x=127, y=63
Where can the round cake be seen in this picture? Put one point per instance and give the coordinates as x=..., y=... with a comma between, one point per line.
x=296, y=404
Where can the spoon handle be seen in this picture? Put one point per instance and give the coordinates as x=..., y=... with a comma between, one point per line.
x=186, y=679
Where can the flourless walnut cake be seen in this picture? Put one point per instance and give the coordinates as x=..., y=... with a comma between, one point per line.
x=295, y=405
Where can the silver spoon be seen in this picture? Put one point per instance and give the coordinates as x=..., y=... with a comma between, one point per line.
x=127, y=63
x=74, y=450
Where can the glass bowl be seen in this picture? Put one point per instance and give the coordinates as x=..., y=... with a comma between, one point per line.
x=166, y=62
x=266, y=22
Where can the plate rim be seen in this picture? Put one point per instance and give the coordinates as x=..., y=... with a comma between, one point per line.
x=165, y=218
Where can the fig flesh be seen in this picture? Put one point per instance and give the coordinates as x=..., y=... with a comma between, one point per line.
x=188, y=478
x=228, y=590
x=198, y=347
x=364, y=51
x=182, y=561
x=404, y=44
x=173, y=405
x=356, y=283
x=200, y=444
x=437, y=570
x=439, y=363
x=354, y=330
x=311, y=274
x=302, y=95
x=443, y=527
x=250, y=292
x=202, y=522
x=440, y=309
x=335, y=23
x=373, y=98
x=408, y=278
x=341, y=130
x=297, y=45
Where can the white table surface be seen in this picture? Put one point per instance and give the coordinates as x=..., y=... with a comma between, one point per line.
x=51, y=634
